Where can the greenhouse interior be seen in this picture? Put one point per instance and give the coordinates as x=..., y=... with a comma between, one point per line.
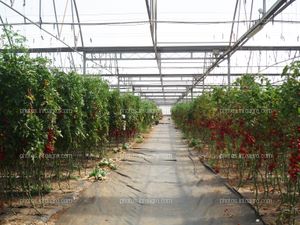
x=150, y=112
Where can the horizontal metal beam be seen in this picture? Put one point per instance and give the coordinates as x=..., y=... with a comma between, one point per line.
x=179, y=75
x=164, y=104
x=166, y=92
x=149, y=93
x=151, y=85
x=159, y=91
x=142, y=22
x=170, y=85
x=161, y=49
x=152, y=81
x=193, y=75
x=153, y=91
x=148, y=58
x=161, y=96
x=162, y=100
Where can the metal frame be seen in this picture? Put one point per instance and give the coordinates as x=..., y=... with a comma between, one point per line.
x=196, y=56
x=278, y=7
x=162, y=49
x=152, y=16
x=179, y=75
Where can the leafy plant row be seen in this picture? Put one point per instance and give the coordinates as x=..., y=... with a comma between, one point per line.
x=50, y=121
x=251, y=133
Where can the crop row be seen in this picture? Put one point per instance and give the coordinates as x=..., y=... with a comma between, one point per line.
x=46, y=112
x=251, y=133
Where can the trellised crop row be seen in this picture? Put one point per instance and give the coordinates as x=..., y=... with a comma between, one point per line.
x=251, y=131
x=46, y=113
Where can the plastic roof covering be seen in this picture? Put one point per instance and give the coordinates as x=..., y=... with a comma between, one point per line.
x=125, y=23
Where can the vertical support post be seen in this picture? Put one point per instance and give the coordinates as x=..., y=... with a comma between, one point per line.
x=228, y=71
x=192, y=94
x=79, y=25
x=117, y=70
x=40, y=13
x=264, y=7
x=84, y=63
x=155, y=22
x=203, y=85
x=186, y=97
x=56, y=18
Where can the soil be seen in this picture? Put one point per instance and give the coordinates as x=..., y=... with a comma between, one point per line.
x=269, y=206
x=62, y=196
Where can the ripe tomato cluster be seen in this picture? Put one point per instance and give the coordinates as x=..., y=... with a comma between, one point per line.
x=49, y=147
x=294, y=160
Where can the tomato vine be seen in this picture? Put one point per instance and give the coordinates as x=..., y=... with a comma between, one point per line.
x=252, y=119
x=51, y=121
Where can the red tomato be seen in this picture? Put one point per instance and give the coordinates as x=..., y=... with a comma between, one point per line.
x=250, y=139
x=274, y=114
x=272, y=166
x=243, y=150
x=49, y=149
x=2, y=156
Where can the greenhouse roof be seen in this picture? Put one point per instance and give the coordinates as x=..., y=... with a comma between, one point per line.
x=166, y=50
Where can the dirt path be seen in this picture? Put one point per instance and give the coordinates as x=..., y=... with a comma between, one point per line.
x=160, y=183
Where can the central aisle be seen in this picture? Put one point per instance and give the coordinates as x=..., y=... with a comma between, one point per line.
x=159, y=183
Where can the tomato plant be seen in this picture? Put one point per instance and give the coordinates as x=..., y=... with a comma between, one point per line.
x=50, y=113
x=96, y=117
x=252, y=119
